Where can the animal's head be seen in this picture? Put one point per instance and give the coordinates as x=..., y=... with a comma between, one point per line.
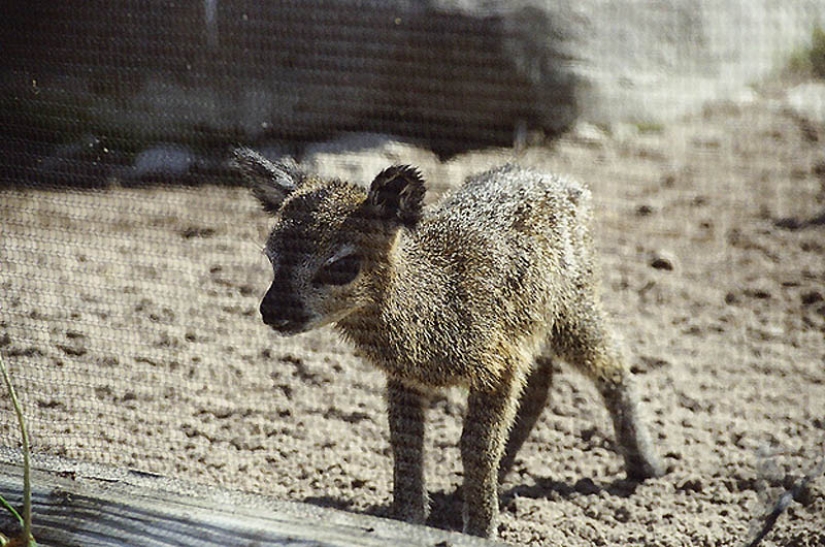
x=330, y=240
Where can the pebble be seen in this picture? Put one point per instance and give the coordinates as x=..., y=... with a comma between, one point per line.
x=586, y=486
x=663, y=261
x=166, y=160
x=588, y=134
x=812, y=297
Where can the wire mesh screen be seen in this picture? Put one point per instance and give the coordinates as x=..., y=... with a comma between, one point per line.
x=131, y=263
x=208, y=71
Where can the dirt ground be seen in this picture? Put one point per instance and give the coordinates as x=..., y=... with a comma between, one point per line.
x=129, y=319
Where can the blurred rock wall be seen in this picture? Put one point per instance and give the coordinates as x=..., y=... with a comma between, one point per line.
x=454, y=74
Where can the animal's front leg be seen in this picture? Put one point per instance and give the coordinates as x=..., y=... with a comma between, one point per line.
x=406, y=417
x=490, y=413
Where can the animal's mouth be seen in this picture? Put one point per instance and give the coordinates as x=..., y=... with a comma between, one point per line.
x=298, y=321
x=287, y=327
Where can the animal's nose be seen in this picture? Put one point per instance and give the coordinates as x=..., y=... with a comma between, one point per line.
x=283, y=312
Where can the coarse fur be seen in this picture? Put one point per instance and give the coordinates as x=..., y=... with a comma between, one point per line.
x=483, y=291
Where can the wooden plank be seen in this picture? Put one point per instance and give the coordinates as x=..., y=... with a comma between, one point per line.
x=83, y=505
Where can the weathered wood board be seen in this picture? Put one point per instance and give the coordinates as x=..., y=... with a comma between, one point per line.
x=82, y=505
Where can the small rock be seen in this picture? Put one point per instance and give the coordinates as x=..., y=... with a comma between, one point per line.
x=690, y=485
x=789, y=223
x=811, y=297
x=165, y=161
x=647, y=363
x=73, y=350
x=758, y=293
x=663, y=261
x=586, y=486
x=622, y=514
x=191, y=232
x=589, y=134
x=818, y=169
x=359, y=156
x=668, y=180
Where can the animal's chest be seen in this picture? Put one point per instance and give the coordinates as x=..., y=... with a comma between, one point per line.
x=429, y=349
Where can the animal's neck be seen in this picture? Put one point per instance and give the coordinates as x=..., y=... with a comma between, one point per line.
x=404, y=282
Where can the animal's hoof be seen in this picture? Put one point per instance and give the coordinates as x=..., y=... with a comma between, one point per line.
x=641, y=470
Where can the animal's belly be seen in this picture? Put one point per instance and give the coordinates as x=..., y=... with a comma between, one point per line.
x=430, y=373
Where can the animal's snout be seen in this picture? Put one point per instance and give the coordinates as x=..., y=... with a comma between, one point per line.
x=283, y=312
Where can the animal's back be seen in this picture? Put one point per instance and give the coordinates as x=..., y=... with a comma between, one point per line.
x=512, y=198
x=494, y=264
x=518, y=221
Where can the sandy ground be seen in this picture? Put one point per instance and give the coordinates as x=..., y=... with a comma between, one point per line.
x=129, y=318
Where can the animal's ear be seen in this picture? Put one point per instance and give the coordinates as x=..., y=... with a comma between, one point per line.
x=271, y=181
x=397, y=195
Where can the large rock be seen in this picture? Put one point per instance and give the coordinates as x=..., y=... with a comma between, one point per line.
x=653, y=60
x=455, y=74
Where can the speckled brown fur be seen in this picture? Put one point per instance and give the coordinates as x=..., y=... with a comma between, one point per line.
x=482, y=291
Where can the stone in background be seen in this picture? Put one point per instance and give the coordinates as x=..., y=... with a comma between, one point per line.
x=453, y=75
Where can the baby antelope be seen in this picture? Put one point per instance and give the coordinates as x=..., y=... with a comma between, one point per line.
x=483, y=291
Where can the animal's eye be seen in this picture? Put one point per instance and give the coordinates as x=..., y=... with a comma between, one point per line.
x=339, y=271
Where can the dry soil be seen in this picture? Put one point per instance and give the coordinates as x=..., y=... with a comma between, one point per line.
x=129, y=319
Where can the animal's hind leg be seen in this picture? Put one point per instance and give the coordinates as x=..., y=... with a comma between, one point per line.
x=588, y=345
x=533, y=400
x=632, y=435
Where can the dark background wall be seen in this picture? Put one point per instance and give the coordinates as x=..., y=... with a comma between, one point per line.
x=134, y=72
